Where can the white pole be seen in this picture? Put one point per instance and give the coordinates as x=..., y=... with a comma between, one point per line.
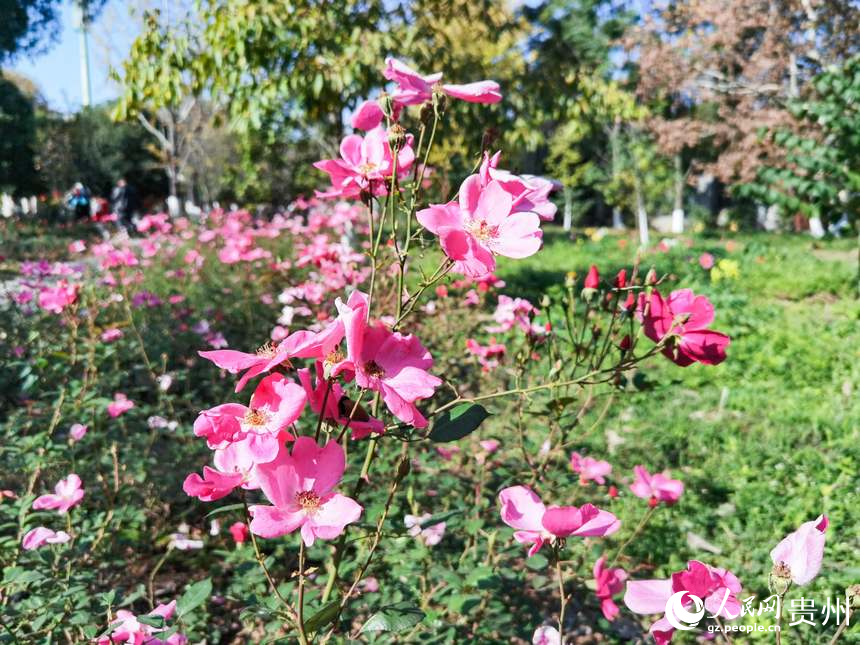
x=82, y=20
x=568, y=208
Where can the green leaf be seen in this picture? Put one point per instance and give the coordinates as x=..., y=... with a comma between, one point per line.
x=394, y=618
x=323, y=617
x=194, y=596
x=458, y=422
x=152, y=621
x=225, y=509
x=444, y=516
x=537, y=562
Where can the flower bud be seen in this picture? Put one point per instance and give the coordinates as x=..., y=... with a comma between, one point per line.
x=631, y=300
x=440, y=100
x=651, y=277
x=852, y=594
x=613, y=492
x=387, y=105
x=403, y=468
x=621, y=279
x=570, y=279
x=779, y=580
x=396, y=137
x=426, y=114
x=625, y=343
x=592, y=280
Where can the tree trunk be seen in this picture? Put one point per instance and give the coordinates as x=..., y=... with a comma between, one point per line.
x=568, y=208
x=617, y=222
x=678, y=211
x=641, y=214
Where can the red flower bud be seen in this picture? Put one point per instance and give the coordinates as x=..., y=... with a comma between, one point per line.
x=621, y=279
x=592, y=280
x=625, y=343
x=442, y=291
x=613, y=492
x=651, y=277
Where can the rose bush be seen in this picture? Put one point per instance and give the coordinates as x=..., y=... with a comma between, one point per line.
x=370, y=414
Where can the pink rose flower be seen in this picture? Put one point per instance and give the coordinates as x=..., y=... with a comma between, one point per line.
x=300, y=485
x=41, y=536
x=483, y=225
x=131, y=630
x=415, y=89
x=366, y=165
x=536, y=524
x=656, y=488
x=67, y=494
x=685, y=318
x=608, y=582
x=239, y=532
x=387, y=362
x=120, y=405
x=546, y=635
x=275, y=405
x=802, y=551
x=77, y=431
x=718, y=589
x=590, y=469
x=57, y=298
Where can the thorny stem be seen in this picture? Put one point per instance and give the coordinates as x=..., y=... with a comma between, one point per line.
x=261, y=561
x=778, y=632
x=402, y=472
x=584, y=379
x=151, y=582
x=322, y=409
x=842, y=626
x=723, y=631
x=562, y=596
x=303, y=637
x=440, y=273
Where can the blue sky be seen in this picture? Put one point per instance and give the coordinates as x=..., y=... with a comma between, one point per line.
x=57, y=72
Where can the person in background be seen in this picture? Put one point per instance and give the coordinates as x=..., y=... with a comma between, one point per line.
x=123, y=201
x=78, y=201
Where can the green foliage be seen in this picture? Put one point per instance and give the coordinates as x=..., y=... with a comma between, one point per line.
x=762, y=442
x=603, y=151
x=461, y=421
x=820, y=176
x=395, y=618
x=17, y=140
x=91, y=148
x=30, y=26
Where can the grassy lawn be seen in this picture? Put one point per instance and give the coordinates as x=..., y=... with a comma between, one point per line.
x=763, y=442
x=768, y=439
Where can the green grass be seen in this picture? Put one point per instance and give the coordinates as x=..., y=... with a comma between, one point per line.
x=768, y=439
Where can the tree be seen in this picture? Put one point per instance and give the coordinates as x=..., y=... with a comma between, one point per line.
x=820, y=176
x=605, y=152
x=28, y=26
x=89, y=147
x=724, y=70
x=17, y=135
x=284, y=79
